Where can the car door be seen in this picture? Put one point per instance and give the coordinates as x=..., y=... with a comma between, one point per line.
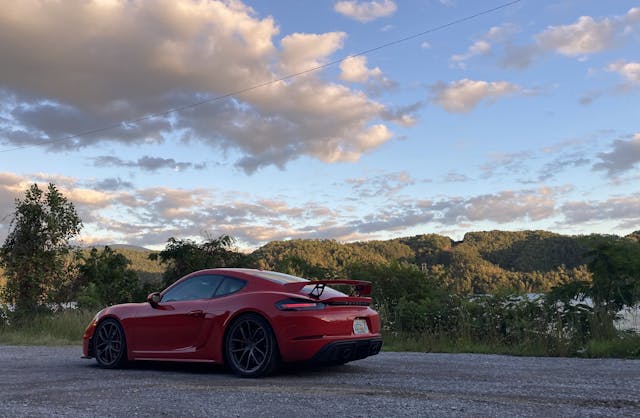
x=178, y=325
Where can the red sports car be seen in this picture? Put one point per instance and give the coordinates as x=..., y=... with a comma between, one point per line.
x=249, y=320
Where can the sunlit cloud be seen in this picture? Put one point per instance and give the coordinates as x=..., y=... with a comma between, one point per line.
x=464, y=95
x=366, y=11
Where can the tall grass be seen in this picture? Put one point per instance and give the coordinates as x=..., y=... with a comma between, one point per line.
x=58, y=328
x=443, y=343
x=67, y=327
x=622, y=345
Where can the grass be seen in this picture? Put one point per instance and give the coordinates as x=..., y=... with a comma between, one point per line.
x=67, y=328
x=61, y=328
x=625, y=345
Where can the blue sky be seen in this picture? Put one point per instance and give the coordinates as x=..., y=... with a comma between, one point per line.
x=522, y=118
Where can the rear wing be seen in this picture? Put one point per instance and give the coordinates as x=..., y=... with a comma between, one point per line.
x=361, y=287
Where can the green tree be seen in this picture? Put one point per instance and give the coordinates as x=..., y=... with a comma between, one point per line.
x=186, y=256
x=107, y=279
x=36, y=253
x=615, y=269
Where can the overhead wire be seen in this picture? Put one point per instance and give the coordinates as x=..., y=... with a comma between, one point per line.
x=122, y=123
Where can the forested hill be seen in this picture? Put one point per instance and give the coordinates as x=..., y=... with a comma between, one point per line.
x=483, y=262
x=528, y=261
x=517, y=251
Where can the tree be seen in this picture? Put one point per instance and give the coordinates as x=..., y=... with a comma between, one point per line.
x=186, y=256
x=106, y=279
x=614, y=285
x=35, y=254
x=615, y=268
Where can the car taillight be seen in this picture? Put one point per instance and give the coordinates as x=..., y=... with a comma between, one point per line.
x=299, y=305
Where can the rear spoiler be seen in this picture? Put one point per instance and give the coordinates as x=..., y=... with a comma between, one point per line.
x=362, y=288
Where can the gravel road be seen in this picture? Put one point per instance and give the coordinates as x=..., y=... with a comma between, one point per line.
x=41, y=381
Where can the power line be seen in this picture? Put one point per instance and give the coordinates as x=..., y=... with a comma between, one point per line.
x=267, y=83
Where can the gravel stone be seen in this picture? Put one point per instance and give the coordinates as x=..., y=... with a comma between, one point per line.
x=55, y=381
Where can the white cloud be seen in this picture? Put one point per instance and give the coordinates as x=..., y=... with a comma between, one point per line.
x=480, y=47
x=366, y=11
x=629, y=70
x=149, y=216
x=303, y=51
x=463, y=95
x=354, y=69
x=484, y=45
x=633, y=16
x=177, y=53
x=586, y=36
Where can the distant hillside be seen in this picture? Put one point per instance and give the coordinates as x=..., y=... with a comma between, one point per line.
x=483, y=262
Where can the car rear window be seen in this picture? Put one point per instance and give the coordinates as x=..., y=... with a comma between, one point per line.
x=280, y=278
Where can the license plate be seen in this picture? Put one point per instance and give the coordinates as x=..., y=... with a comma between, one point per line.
x=360, y=326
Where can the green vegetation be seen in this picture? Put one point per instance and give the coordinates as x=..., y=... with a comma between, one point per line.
x=182, y=257
x=433, y=294
x=35, y=255
x=57, y=328
x=104, y=278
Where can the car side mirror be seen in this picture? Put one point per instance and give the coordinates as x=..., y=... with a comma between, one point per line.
x=154, y=299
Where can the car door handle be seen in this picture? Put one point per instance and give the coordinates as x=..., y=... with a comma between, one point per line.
x=196, y=313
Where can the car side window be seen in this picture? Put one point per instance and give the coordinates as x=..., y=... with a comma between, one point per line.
x=230, y=285
x=198, y=287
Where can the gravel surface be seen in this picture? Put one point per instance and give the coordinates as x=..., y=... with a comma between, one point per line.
x=42, y=381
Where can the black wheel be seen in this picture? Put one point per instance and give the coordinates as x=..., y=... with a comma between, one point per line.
x=250, y=347
x=110, y=344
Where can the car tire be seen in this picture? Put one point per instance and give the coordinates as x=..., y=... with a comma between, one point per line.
x=250, y=347
x=110, y=345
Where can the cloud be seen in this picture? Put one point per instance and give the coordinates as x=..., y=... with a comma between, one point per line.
x=146, y=163
x=354, y=69
x=484, y=45
x=303, y=51
x=234, y=49
x=540, y=165
x=464, y=95
x=403, y=115
x=502, y=207
x=633, y=16
x=562, y=163
x=586, y=36
x=480, y=47
x=506, y=164
x=365, y=11
x=519, y=57
x=386, y=184
x=112, y=184
x=621, y=209
x=624, y=156
x=149, y=216
x=453, y=177
x=628, y=70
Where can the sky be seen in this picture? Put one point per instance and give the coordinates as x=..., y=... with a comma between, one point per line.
x=345, y=120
